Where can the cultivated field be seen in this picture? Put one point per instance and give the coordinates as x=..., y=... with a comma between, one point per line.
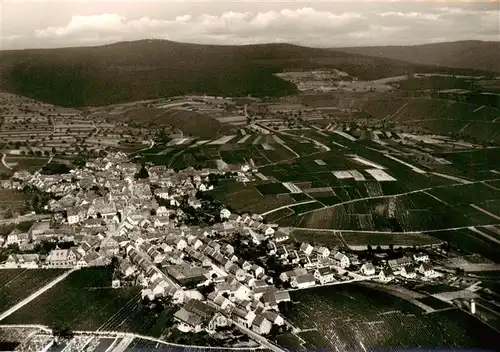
x=17, y=284
x=352, y=318
x=83, y=301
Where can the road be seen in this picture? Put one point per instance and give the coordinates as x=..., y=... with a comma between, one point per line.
x=485, y=235
x=256, y=337
x=4, y=163
x=24, y=218
x=287, y=206
x=334, y=283
x=34, y=295
x=387, y=232
x=485, y=211
x=130, y=337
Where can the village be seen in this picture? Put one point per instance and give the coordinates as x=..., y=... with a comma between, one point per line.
x=230, y=269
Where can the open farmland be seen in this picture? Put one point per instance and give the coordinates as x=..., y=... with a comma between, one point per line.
x=17, y=284
x=317, y=238
x=352, y=318
x=469, y=241
x=246, y=198
x=84, y=301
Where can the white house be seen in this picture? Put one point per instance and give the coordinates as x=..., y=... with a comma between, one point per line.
x=322, y=252
x=61, y=258
x=72, y=216
x=324, y=275
x=342, y=259
x=181, y=244
x=408, y=271
x=306, y=248
x=386, y=275
x=303, y=281
x=427, y=270
x=269, y=231
x=421, y=258
x=225, y=214
x=261, y=325
x=368, y=269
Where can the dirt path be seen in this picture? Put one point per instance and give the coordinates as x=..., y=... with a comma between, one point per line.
x=4, y=163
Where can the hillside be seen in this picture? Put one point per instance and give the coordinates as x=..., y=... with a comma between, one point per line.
x=476, y=55
x=128, y=71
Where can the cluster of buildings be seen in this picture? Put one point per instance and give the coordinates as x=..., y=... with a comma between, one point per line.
x=103, y=214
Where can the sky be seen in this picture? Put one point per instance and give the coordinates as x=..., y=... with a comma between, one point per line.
x=321, y=23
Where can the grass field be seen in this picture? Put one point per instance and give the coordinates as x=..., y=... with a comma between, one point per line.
x=17, y=284
x=27, y=163
x=352, y=318
x=84, y=300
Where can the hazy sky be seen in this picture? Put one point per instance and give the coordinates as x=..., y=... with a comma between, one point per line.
x=56, y=23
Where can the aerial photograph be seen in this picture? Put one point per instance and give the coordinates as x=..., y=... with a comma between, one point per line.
x=249, y=176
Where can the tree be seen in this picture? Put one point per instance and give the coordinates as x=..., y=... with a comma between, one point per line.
x=143, y=173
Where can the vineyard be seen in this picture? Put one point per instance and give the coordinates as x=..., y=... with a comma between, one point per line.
x=84, y=301
x=353, y=318
x=17, y=284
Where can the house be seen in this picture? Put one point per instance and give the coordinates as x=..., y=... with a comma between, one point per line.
x=161, y=221
x=322, y=252
x=257, y=270
x=188, y=321
x=162, y=211
x=306, y=248
x=427, y=270
x=408, y=272
x=271, y=248
x=274, y=317
x=242, y=316
x=303, y=281
x=399, y=263
x=288, y=275
x=268, y=231
x=225, y=214
x=126, y=268
x=343, y=260
x=29, y=261
x=324, y=275
x=368, y=269
x=61, y=258
x=92, y=258
x=386, y=275
x=421, y=258
x=15, y=237
x=280, y=236
x=72, y=216
x=261, y=325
